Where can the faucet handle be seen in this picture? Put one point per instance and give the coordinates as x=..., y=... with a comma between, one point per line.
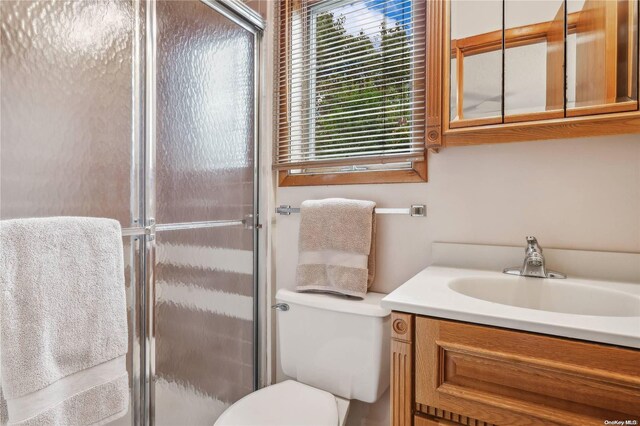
x=532, y=240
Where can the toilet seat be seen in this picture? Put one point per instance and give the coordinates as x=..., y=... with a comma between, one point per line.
x=289, y=403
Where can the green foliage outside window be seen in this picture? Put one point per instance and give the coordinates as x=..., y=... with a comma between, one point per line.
x=354, y=73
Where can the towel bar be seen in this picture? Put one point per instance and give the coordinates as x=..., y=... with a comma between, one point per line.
x=416, y=210
x=149, y=230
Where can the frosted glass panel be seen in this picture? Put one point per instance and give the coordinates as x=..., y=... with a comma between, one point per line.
x=204, y=115
x=66, y=108
x=203, y=311
x=69, y=115
x=204, y=323
x=66, y=136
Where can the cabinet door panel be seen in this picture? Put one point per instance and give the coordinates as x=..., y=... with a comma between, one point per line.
x=602, y=57
x=509, y=377
x=475, y=84
x=534, y=60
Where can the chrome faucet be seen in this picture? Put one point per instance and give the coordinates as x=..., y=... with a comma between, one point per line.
x=533, y=265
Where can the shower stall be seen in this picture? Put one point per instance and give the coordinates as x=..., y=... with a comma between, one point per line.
x=146, y=112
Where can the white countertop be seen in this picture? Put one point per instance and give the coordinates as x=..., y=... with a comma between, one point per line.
x=428, y=293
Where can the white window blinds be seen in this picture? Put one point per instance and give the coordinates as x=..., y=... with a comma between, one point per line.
x=351, y=83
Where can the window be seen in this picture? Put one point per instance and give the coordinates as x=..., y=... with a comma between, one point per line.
x=351, y=91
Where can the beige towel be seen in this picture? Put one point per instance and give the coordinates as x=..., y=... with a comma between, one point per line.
x=336, y=246
x=64, y=323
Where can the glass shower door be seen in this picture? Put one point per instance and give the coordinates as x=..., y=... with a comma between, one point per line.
x=144, y=111
x=69, y=140
x=202, y=298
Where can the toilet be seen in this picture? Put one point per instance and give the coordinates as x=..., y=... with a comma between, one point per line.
x=334, y=349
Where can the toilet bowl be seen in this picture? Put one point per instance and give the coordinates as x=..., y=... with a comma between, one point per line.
x=335, y=350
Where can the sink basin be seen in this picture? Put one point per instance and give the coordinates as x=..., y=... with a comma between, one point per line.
x=560, y=296
x=578, y=308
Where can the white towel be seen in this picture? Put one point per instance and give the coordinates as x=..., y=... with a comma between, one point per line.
x=64, y=322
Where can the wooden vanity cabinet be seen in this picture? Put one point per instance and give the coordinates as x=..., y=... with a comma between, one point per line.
x=451, y=373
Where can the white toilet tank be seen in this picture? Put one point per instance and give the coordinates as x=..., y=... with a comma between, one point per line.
x=335, y=344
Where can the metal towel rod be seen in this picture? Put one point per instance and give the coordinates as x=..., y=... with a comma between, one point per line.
x=148, y=230
x=416, y=210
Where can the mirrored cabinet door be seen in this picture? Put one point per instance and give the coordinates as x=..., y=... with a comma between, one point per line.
x=476, y=63
x=519, y=61
x=602, y=56
x=534, y=60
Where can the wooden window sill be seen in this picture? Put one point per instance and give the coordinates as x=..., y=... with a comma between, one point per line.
x=418, y=173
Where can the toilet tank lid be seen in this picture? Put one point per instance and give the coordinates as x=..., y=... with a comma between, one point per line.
x=369, y=306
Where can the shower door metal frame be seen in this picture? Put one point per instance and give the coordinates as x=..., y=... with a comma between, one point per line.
x=249, y=20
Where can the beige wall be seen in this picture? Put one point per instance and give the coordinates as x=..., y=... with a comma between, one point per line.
x=577, y=194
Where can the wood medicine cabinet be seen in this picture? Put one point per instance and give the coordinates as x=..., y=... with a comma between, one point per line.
x=516, y=70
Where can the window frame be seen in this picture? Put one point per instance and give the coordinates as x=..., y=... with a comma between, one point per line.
x=418, y=171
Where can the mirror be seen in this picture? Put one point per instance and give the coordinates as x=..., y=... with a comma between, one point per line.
x=602, y=56
x=476, y=62
x=534, y=60
x=527, y=60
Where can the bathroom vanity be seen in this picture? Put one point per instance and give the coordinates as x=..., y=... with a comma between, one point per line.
x=449, y=372
x=478, y=347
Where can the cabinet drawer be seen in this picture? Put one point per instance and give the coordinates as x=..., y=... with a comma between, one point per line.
x=510, y=377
